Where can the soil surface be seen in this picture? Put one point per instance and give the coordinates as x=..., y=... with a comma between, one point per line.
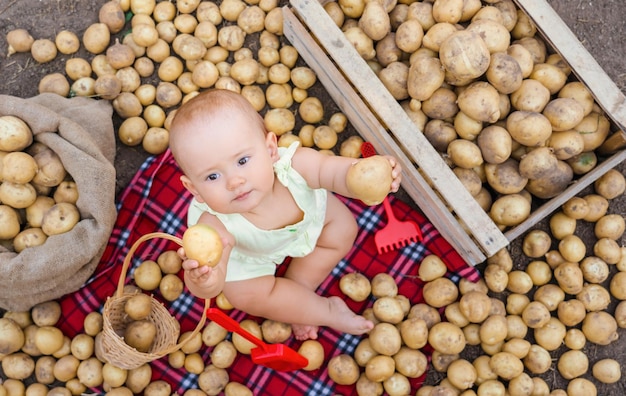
x=600, y=26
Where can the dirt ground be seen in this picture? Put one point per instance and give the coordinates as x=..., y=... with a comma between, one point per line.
x=600, y=26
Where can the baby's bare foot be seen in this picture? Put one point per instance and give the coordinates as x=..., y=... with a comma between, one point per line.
x=342, y=318
x=304, y=332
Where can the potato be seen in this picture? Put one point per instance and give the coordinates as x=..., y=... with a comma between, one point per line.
x=467, y=128
x=96, y=38
x=108, y=86
x=440, y=292
x=394, y=77
x=313, y=351
x=351, y=147
x=140, y=335
x=506, y=365
x=388, y=309
x=504, y=73
x=442, y=105
x=374, y=21
x=594, y=129
x=171, y=287
x=17, y=195
x=550, y=76
x=563, y=113
x=112, y=15
x=409, y=35
x=236, y=389
x=611, y=184
x=572, y=364
x=48, y=339
x=223, y=354
x=577, y=90
x=510, y=210
x=462, y=374
x=43, y=50
x=480, y=101
x=343, y=370
x=203, y=244
x=537, y=163
x=15, y=134
x=552, y=184
x=363, y=44
x=148, y=275
x=19, y=40
x=475, y=306
x=610, y=226
x=410, y=363
x=213, y=333
x=464, y=153
x=465, y=55
x=369, y=179
x=505, y=177
x=11, y=336
x=528, y=128
x=446, y=338
x=356, y=286
x=379, y=368
x=18, y=366
x=495, y=144
x=60, y=218
x=138, y=307
x=54, y=83
x=10, y=221
x=431, y=268
x=385, y=338
x=440, y=133
x=607, y=371
x=244, y=346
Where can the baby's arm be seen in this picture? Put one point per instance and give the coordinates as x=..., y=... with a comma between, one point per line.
x=329, y=172
x=204, y=281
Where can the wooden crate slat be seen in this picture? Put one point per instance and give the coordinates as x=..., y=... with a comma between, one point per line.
x=370, y=129
x=413, y=142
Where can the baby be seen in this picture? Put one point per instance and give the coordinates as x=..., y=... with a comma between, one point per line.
x=267, y=203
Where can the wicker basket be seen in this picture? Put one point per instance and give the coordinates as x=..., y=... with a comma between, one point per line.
x=113, y=348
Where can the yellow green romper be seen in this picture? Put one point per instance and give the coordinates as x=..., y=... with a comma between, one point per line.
x=257, y=252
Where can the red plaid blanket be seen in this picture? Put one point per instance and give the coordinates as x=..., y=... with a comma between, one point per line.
x=155, y=200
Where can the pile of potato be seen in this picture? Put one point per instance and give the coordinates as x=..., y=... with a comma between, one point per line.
x=37, y=195
x=527, y=319
x=502, y=109
x=38, y=359
x=169, y=51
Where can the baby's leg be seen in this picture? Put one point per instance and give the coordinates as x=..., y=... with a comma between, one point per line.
x=286, y=301
x=333, y=244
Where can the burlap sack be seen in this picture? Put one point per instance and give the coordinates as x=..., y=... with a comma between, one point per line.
x=80, y=131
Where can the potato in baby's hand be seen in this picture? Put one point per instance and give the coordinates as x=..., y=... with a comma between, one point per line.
x=203, y=244
x=370, y=179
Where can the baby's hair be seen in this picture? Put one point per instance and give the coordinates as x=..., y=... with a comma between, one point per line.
x=213, y=102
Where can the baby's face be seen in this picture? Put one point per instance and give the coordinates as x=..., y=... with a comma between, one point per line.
x=230, y=163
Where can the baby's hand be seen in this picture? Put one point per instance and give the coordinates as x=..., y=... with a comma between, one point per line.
x=202, y=280
x=203, y=276
x=396, y=173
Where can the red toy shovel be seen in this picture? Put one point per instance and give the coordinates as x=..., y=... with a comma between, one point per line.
x=275, y=356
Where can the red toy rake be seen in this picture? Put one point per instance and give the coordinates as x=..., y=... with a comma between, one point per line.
x=275, y=356
x=395, y=234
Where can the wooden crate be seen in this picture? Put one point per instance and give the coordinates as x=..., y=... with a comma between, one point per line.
x=378, y=118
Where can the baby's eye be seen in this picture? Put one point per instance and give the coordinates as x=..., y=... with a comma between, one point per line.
x=213, y=176
x=243, y=160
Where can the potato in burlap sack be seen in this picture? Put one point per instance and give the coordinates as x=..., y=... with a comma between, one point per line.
x=80, y=131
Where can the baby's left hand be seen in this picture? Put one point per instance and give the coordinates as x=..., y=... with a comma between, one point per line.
x=396, y=173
